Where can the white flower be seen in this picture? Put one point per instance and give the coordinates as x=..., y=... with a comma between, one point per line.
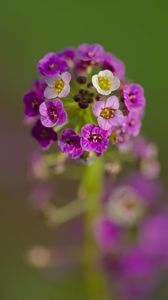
x=105, y=82
x=58, y=86
x=125, y=207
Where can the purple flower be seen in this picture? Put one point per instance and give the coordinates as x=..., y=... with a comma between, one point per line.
x=108, y=113
x=40, y=86
x=68, y=54
x=52, y=113
x=58, y=85
x=153, y=237
x=32, y=101
x=51, y=64
x=94, y=139
x=137, y=275
x=133, y=95
x=112, y=63
x=44, y=136
x=70, y=143
x=144, y=149
x=150, y=191
x=134, y=264
x=107, y=234
x=133, y=123
x=90, y=53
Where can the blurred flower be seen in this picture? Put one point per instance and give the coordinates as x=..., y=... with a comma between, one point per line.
x=149, y=191
x=133, y=124
x=39, y=257
x=52, y=113
x=153, y=237
x=32, y=102
x=116, y=66
x=136, y=276
x=68, y=54
x=41, y=195
x=105, y=82
x=51, y=64
x=108, y=235
x=38, y=165
x=133, y=96
x=90, y=53
x=45, y=136
x=58, y=85
x=125, y=206
x=108, y=113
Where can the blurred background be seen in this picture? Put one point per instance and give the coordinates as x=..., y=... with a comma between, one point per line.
x=136, y=31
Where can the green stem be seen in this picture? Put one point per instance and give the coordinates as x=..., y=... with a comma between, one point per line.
x=91, y=188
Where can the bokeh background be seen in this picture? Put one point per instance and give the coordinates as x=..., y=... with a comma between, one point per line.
x=136, y=31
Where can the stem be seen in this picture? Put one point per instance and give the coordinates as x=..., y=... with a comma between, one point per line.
x=91, y=188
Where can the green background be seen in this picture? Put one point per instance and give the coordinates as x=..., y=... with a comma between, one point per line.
x=136, y=31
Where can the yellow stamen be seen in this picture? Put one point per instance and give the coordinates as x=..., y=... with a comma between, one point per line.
x=107, y=113
x=104, y=83
x=58, y=85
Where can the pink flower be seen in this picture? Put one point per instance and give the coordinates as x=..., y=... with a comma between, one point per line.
x=108, y=113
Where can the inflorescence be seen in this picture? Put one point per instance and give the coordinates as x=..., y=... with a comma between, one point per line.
x=83, y=102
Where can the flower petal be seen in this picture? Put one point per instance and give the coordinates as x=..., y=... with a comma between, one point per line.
x=47, y=122
x=50, y=80
x=97, y=107
x=66, y=76
x=65, y=91
x=115, y=83
x=104, y=123
x=112, y=102
x=50, y=93
x=106, y=73
x=43, y=109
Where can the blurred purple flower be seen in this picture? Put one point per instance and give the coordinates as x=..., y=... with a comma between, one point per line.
x=51, y=64
x=112, y=63
x=133, y=95
x=107, y=234
x=133, y=123
x=153, y=237
x=32, y=101
x=149, y=191
x=90, y=53
x=44, y=136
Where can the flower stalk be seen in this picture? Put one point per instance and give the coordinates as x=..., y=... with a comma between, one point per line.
x=91, y=188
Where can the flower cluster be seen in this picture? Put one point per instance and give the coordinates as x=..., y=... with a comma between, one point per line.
x=83, y=102
x=132, y=234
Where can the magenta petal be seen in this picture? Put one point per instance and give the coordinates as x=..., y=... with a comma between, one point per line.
x=62, y=118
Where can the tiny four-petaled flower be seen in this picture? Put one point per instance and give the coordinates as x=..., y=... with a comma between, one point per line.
x=105, y=82
x=108, y=113
x=58, y=86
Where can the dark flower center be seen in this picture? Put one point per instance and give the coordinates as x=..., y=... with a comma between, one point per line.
x=44, y=133
x=132, y=98
x=53, y=113
x=70, y=141
x=52, y=66
x=95, y=138
x=107, y=113
x=35, y=104
x=132, y=122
